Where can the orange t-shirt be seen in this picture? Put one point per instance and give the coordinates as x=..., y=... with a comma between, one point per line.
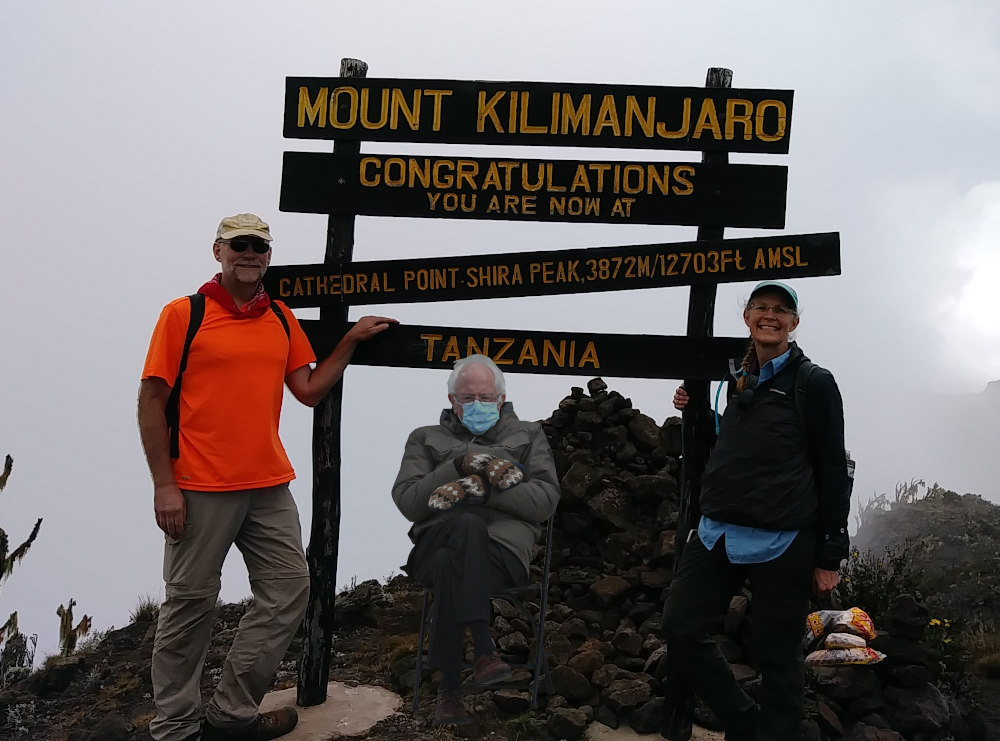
x=231, y=393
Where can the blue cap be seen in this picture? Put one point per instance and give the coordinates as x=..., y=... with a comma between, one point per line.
x=776, y=285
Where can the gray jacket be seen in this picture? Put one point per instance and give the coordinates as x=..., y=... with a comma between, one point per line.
x=512, y=516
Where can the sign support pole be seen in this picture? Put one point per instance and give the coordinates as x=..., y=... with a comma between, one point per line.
x=697, y=433
x=324, y=539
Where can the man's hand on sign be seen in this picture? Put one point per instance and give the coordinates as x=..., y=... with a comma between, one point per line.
x=680, y=399
x=369, y=326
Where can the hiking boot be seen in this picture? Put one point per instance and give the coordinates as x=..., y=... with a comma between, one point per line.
x=265, y=726
x=491, y=669
x=450, y=711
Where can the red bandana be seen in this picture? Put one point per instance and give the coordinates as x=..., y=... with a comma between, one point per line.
x=254, y=308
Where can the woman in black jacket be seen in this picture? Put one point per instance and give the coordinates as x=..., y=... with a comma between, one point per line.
x=775, y=497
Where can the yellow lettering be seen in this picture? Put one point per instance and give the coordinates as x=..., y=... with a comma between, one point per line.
x=352, y=107
x=782, y=120
x=525, y=127
x=499, y=358
x=733, y=118
x=487, y=109
x=383, y=116
x=430, y=339
x=528, y=354
x=607, y=116
x=684, y=186
x=549, y=351
x=580, y=180
x=578, y=118
x=410, y=113
x=438, y=96
x=314, y=109
x=632, y=111
x=451, y=349
x=589, y=356
x=467, y=171
x=707, y=119
x=664, y=132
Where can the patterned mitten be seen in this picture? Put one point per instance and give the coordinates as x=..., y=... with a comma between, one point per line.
x=502, y=474
x=470, y=489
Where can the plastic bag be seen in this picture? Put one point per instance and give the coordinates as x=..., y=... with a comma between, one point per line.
x=844, y=656
x=854, y=620
x=844, y=640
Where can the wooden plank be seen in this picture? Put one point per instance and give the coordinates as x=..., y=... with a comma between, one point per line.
x=535, y=351
x=455, y=187
x=538, y=113
x=556, y=272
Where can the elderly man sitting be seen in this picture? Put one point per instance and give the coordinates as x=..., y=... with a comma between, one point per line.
x=475, y=486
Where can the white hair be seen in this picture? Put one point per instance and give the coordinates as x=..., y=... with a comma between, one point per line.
x=465, y=362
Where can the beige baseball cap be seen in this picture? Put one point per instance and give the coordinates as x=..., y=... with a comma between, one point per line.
x=243, y=225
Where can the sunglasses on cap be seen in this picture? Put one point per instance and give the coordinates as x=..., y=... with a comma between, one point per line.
x=240, y=244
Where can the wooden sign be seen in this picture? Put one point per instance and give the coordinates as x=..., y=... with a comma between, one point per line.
x=520, y=351
x=555, y=272
x=538, y=113
x=682, y=193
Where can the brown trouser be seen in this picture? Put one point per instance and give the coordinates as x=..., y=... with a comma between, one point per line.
x=264, y=525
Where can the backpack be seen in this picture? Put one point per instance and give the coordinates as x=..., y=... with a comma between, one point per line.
x=802, y=374
x=173, y=408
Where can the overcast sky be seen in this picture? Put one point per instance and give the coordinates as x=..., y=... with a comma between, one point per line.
x=129, y=129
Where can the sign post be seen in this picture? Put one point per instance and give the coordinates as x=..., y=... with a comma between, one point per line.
x=324, y=536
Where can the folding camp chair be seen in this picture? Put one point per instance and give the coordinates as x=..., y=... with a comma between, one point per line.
x=519, y=597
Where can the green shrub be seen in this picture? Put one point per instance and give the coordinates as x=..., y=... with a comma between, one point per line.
x=146, y=610
x=872, y=582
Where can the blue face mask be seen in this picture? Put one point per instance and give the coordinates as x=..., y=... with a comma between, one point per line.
x=478, y=416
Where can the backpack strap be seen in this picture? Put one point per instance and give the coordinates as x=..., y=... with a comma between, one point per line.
x=802, y=374
x=173, y=409
x=281, y=316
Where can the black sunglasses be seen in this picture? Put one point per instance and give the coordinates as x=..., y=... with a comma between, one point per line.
x=240, y=244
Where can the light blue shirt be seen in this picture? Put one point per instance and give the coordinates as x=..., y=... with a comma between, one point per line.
x=749, y=544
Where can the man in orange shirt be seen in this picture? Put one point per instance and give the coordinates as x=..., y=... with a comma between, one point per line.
x=223, y=479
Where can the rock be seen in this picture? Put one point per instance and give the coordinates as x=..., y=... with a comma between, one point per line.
x=580, y=481
x=626, y=693
x=612, y=505
x=605, y=675
x=907, y=618
x=513, y=643
x=558, y=648
x=648, y=717
x=830, y=718
x=627, y=641
x=596, y=385
x=847, y=682
x=512, y=701
x=112, y=727
x=653, y=487
x=915, y=711
x=609, y=589
x=586, y=661
x=863, y=732
x=571, y=684
x=568, y=722
x=57, y=676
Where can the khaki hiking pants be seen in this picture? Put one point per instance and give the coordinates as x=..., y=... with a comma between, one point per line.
x=264, y=525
